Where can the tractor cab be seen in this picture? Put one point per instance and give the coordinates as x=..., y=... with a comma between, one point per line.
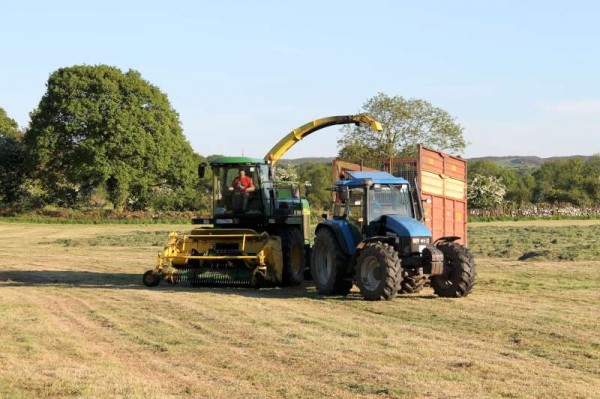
x=244, y=195
x=240, y=187
x=368, y=199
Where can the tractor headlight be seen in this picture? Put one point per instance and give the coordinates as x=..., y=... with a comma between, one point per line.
x=419, y=243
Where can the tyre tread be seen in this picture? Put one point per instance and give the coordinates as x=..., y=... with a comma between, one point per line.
x=463, y=281
x=339, y=283
x=288, y=237
x=392, y=279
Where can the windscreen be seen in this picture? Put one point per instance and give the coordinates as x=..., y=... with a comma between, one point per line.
x=392, y=199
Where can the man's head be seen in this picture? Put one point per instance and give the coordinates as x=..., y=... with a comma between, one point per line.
x=242, y=173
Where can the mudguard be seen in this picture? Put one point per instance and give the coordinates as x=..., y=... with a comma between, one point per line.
x=446, y=239
x=384, y=239
x=343, y=232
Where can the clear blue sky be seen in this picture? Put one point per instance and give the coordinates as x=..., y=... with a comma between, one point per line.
x=522, y=77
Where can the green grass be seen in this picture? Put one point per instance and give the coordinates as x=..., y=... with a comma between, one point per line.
x=92, y=220
x=530, y=218
x=556, y=243
x=513, y=242
x=77, y=322
x=132, y=239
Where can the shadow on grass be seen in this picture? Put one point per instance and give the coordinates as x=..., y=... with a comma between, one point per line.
x=133, y=281
x=84, y=279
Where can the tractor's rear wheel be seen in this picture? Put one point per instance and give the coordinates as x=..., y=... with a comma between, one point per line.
x=459, y=274
x=151, y=278
x=294, y=258
x=328, y=265
x=378, y=272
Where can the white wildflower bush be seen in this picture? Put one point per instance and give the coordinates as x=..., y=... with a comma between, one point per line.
x=286, y=173
x=485, y=192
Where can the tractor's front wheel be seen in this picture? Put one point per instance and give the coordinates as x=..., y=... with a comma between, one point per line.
x=294, y=258
x=459, y=274
x=151, y=278
x=378, y=272
x=328, y=265
x=411, y=283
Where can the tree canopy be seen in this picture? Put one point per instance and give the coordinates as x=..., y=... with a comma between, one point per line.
x=569, y=180
x=519, y=184
x=406, y=123
x=101, y=134
x=317, y=178
x=12, y=157
x=99, y=128
x=562, y=181
x=8, y=126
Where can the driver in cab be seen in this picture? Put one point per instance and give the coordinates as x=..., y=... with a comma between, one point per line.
x=243, y=185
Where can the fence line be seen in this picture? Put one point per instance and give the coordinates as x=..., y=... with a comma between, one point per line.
x=537, y=210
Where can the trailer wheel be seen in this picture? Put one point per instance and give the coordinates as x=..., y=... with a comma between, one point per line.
x=151, y=278
x=459, y=271
x=378, y=272
x=328, y=265
x=294, y=259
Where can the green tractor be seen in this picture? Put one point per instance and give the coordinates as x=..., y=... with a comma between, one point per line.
x=258, y=234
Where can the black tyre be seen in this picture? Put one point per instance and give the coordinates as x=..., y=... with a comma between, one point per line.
x=411, y=283
x=294, y=257
x=258, y=281
x=459, y=271
x=378, y=272
x=151, y=278
x=328, y=265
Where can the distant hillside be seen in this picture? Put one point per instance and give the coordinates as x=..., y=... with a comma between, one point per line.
x=524, y=162
x=299, y=161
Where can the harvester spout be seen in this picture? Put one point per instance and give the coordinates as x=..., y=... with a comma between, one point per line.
x=279, y=149
x=368, y=120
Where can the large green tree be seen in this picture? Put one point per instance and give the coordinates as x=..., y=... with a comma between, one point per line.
x=406, y=123
x=317, y=178
x=97, y=127
x=12, y=157
x=569, y=180
x=8, y=126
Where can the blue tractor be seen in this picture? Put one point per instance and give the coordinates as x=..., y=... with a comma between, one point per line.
x=376, y=239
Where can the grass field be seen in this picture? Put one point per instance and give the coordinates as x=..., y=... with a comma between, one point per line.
x=540, y=240
x=75, y=321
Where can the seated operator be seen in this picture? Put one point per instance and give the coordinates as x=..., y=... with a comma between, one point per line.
x=242, y=185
